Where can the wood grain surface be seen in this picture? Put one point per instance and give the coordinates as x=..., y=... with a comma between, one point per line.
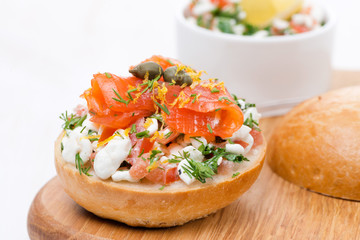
x=272, y=209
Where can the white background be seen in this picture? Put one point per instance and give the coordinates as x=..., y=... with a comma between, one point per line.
x=48, y=53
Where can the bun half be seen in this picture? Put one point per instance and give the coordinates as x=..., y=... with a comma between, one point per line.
x=144, y=204
x=317, y=144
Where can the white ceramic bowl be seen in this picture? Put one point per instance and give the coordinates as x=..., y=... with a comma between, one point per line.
x=275, y=72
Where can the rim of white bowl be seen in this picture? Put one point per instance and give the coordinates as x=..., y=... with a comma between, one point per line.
x=329, y=25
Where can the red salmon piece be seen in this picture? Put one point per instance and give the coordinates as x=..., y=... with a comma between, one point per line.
x=118, y=120
x=258, y=138
x=242, y=143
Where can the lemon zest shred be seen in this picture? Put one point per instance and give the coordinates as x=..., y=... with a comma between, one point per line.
x=148, y=123
x=162, y=93
x=126, y=131
x=183, y=85
x=181, y=97
x=156, y=135
x=153, y=166
x=102, y=143
x=182, y=104
x=90, y=137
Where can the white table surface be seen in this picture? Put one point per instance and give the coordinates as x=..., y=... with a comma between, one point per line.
x=48, y=53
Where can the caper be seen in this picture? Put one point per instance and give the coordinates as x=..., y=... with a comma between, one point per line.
x=180, y=77
x=152, y=68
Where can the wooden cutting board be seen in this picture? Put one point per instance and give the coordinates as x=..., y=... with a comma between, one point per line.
x=272, y=209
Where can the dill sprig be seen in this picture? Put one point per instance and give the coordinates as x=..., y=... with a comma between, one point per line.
x=251, y=123
x=206, y=169
x=71, y=121
x=79, y=164
x=199, y=170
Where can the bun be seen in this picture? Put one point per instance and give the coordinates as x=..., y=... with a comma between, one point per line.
x=316, y=145
x=144, y=204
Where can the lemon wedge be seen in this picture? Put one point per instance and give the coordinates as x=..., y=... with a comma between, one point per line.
x=262, y=12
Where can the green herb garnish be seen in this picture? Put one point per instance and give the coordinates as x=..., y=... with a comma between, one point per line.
x=235, y=174
x=162, y=187
x=149, y=84
x=194, y=96
x=163, y=107
x=143, y=134
x=227, y=99
x=120, y=99
x=71, y=122
x=142, y=152
x=209, y=127
x=108, y=75
x=215, y=90
x=169, y=61
x=168, y=135
x=133, y=129
x=250, y=122
x=79, y=165
x=198, y=170
x=173, y=160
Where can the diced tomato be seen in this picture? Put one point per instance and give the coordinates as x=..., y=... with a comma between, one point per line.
x=163, y=176
x=299, y=28
x=156, y=175
x=171, y=175
x=220, y=3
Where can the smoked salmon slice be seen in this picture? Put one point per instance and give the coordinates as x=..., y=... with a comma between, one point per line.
x=112, y=104
x=203, y=111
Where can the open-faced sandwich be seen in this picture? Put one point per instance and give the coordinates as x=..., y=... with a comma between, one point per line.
x=158, y=148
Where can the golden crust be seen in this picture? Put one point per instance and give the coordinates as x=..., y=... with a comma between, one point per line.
x=317, y=144
x=154, y=207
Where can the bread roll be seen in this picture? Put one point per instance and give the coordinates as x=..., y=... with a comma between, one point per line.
x=317, y=144
x=144, y=204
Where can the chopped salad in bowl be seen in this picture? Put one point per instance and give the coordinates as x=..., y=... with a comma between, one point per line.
x=258, y=18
